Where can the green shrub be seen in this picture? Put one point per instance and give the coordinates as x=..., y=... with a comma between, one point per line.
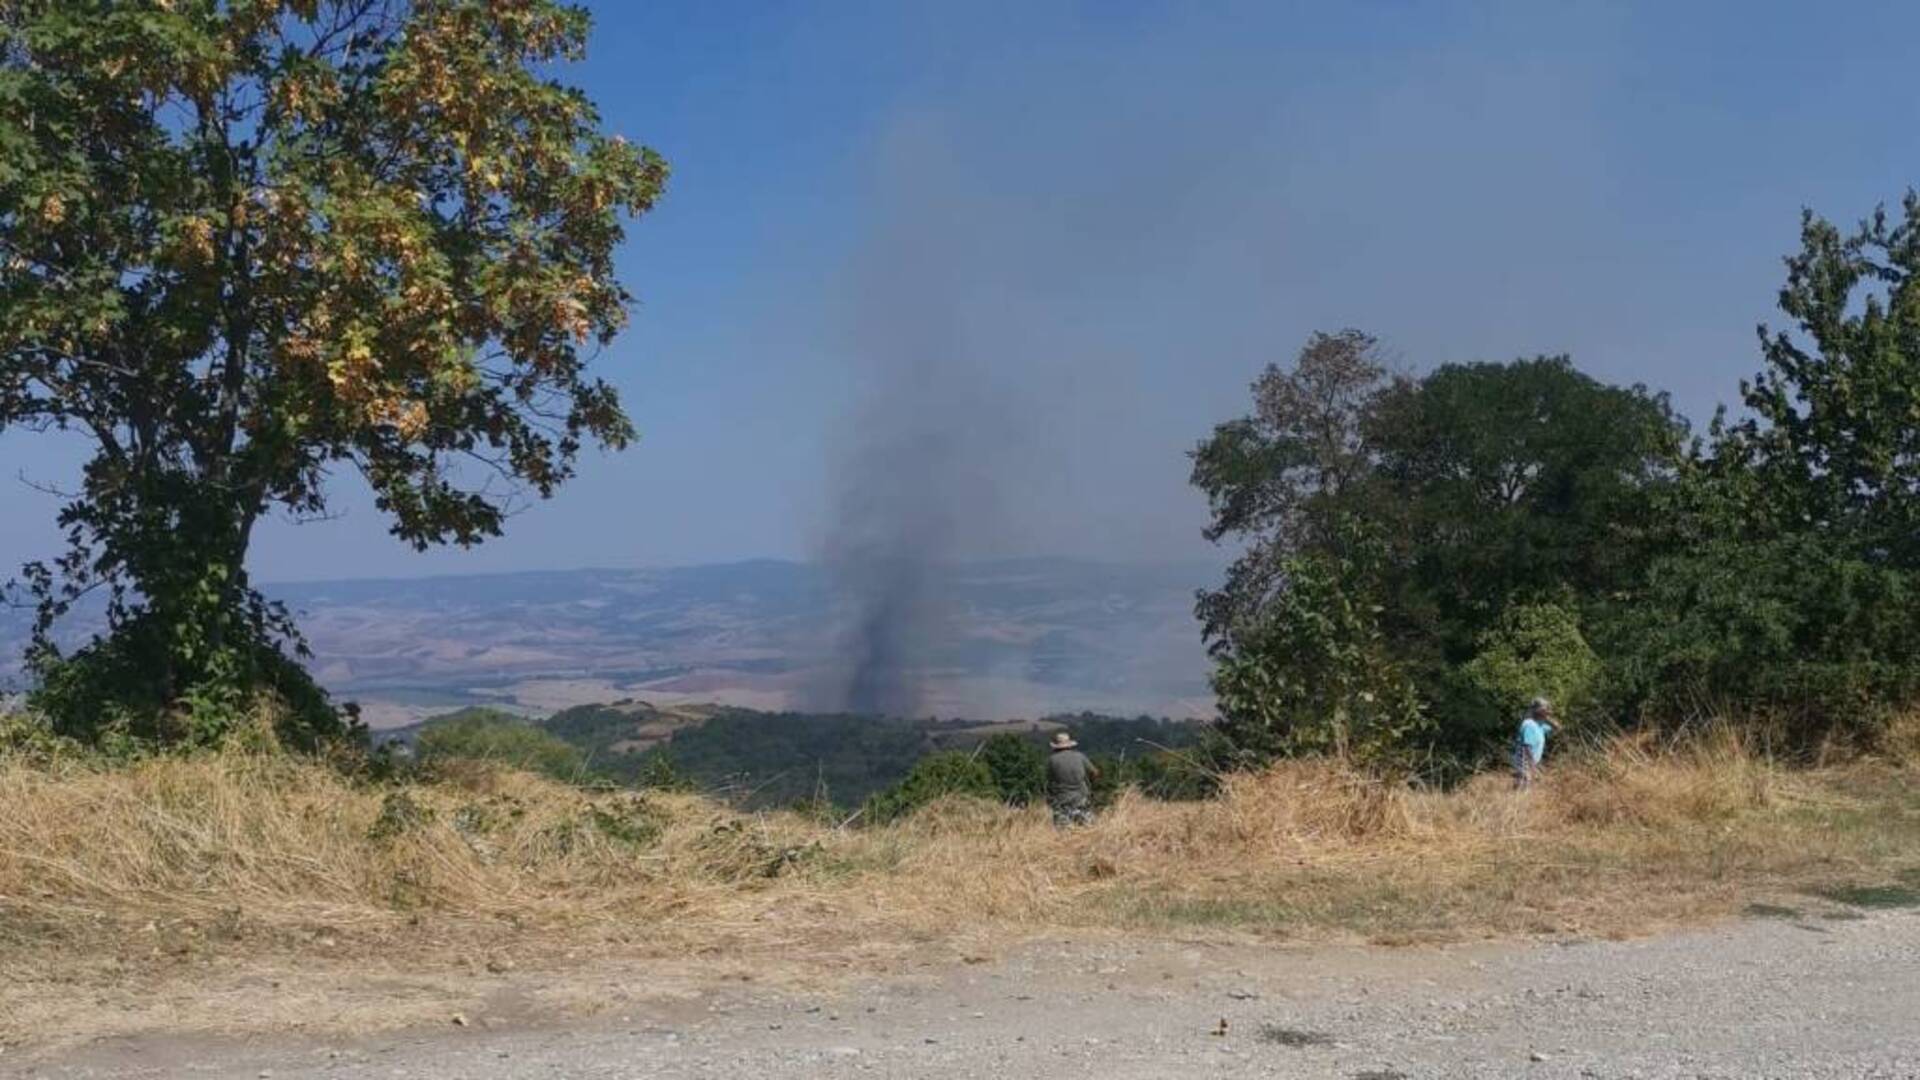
x=1787, y=631
x=501, y=738
x=124, y=694
x=1018, y=766
x=632, y=820
x=28, y=737
x=400, y=813
x=484, y=817
x=1312, y=672
x=1181, y=775
x=656, y=770
x=933, y=777
x=1534, y=650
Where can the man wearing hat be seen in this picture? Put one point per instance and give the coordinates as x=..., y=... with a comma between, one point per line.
x=1530, y=742
x=1070, y=778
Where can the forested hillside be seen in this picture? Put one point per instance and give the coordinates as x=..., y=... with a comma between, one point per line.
x=761, y=758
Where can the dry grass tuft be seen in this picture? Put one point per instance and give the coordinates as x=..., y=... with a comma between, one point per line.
x=1902, y=738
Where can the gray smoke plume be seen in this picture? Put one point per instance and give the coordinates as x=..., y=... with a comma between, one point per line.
x=893, y=534
x=910, y=483
x=925, y=447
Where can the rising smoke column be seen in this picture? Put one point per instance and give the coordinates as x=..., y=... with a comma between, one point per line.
x=924, y=449
x=893, y=533
x=912, y=480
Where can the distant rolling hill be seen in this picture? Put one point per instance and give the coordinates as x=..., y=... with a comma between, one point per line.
x=1014, y=638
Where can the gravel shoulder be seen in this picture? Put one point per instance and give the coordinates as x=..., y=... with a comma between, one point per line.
x=1766, y=997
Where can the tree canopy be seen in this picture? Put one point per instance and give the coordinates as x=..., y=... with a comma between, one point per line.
x=1832, y=439
x=1391, y=522
x=1794, y=588
x=1423, y=554
x=1516, y=480
x=244, y=245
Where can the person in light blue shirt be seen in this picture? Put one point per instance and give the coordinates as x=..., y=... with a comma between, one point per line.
x=1530, y=743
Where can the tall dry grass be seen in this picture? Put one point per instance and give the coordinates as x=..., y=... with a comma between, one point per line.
x=284, y=841
x=1625, y=838
x=281, y=852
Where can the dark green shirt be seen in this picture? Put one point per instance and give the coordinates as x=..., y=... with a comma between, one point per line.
x=1067, y=782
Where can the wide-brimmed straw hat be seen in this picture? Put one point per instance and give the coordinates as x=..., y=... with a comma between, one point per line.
x=1063, y=741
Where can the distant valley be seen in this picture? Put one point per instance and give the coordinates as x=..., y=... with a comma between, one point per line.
x=1016, y=638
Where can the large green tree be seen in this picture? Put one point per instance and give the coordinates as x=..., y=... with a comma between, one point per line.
x=1831, y=441
x=1282, y=477
x=1395, y=528
x=244, y=244
x=1515, y=482
x=1793, y=590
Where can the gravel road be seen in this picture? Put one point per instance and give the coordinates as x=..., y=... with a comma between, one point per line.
x=1791, y=997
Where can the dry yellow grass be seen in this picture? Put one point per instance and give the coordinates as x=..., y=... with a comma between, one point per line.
x=248, y=855
x=280, y=842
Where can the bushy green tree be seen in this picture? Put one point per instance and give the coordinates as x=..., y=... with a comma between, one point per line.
x=1541, y=532
x=1509, y=484
x=245, y=245
x=1018, y=766
x=1390, y=522
x=1789, y=630
x=1310, y=671
x=1534, y=650
x=1284, y=477
x=1790, y=591
x=934, y=777
x=1832, y=441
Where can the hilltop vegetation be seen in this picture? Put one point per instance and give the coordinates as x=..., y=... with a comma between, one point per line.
x=486, y=735
x=760, y=759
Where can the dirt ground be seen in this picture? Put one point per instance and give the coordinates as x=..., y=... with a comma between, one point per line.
x=1785, y=993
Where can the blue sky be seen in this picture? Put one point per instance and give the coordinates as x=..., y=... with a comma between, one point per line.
x=1066, y=236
